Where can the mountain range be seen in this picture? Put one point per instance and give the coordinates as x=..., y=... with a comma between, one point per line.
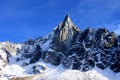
x=90, y=54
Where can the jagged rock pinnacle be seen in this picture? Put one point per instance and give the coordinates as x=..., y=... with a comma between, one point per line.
x=67, y=20
x=66, y=24
x=65, y=34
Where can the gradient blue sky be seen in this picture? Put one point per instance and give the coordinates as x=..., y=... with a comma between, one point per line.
x=21, y=20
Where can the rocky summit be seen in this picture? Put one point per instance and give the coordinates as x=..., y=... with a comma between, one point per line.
x=65, y=35
x=68, y=46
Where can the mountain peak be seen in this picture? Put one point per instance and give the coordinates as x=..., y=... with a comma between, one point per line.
x=65, y=34
x=67, y=19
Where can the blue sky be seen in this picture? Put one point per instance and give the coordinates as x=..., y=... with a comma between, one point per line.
x=21, y=20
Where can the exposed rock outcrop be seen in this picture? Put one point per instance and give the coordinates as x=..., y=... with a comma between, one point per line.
x=11, y=48
x=52, y=57
x=65, y=35
x=7, y=50
x=37, y=55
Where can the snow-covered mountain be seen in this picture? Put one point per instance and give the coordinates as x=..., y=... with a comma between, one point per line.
x=66, y=53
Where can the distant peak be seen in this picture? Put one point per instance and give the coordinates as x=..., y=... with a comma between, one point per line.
x=67, y=19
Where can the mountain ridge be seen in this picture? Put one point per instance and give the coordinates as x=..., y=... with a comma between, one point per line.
x=68, y=46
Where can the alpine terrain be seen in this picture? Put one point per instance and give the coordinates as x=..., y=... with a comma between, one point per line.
x=66, y=53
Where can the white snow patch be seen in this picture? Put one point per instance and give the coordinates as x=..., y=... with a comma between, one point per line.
x=109, y=74
x=45, y=46
x=13, y=70
x=56, y=74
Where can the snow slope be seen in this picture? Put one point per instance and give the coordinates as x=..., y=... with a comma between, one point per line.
x=57, y=73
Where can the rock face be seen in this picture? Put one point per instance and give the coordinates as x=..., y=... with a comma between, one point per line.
x=115, y=65
x=52, y=57
x=10, y=48
x=3, y=59
x=37, y=55
x=7, y=50
x=95, y=48
x=65, y=35
x=30, y=50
